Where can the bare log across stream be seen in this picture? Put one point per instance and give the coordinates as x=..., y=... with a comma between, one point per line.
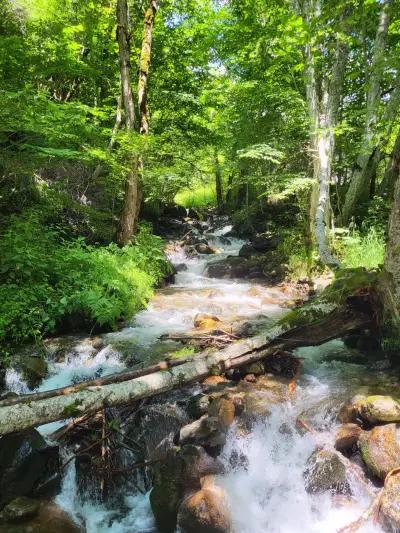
x=316, y=323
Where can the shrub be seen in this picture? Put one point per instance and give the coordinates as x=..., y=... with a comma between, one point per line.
x=197, y=197
x=46, y=280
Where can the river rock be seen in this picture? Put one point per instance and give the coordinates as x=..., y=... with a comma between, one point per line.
x=203, y=248
x=257, y=368
x=206, y=322
x=231, y=267
x=205, y=511
x=198, y=405
x=380, y=450
x=224, y=410
x=379, y=409
x=389, y=513
x=167, y=492
x=180, y=473
x=212, y=381
x=207, y=431
x=326, y=472
x=20, y=509
x=247, y=250
x=26, y=461
x=347, y=437
x=349, y=412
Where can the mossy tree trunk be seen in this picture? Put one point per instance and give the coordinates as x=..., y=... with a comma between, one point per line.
x=130, y=208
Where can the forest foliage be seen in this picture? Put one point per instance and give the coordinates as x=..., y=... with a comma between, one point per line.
x=229, y=94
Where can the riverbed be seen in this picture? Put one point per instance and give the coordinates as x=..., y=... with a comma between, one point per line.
x=267, y=495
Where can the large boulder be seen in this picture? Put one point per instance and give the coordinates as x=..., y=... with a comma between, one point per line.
x=380, y=450
x=205, y=511
x=389, y=512
x=179, y=474
x=326, y=472
x=265, y=242
x=47, y=517
x=27, y=465
x=20, y=509
x=231, y=267
x=379, y=409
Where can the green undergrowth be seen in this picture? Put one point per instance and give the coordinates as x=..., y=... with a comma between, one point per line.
x=197, y=197
x=50, y=283
x=361, y=250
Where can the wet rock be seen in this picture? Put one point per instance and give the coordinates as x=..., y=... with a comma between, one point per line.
x=283, y=364
x=389, y=512
x=203, y=248
x=349, y=411
x=379, y=409
x=347, y=437
x=26, y=462
x=205, y=511
x=167, y=492
x=215, y=380
x=224, y=410
x=326, y=472
x=231, y=267
x=179, y=473
x=175, y=211
x=256, y=368
x=20, y=509
x=198, y=405
x=207, y=431
x=206, y=321
x=250, y=378
x=380, y=450
x=247, y=250
x=181, y=267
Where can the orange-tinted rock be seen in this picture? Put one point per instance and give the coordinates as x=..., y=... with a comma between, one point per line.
x=347, y=437
x=380, y=450
x=224, y=410
x=214, y=380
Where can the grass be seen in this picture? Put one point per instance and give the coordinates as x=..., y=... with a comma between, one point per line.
x=357, y=250
x=198, y=197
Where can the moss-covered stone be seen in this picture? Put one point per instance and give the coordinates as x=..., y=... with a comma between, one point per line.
x=380, y=450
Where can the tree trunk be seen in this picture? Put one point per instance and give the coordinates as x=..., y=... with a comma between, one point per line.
x=392, y=171
x=359, y=188
x=218, y=181
x=389, y=286
x=144, y=67
x=129, y=214
x=323, y=118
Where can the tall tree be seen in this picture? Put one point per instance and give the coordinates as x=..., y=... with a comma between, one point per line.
x=323, y=104
x=359, y=188
x=129, y=214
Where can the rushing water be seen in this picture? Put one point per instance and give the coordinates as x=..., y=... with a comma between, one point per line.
x=267, y=495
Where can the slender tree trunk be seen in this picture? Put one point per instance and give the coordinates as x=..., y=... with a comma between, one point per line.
x=390, y=280
x=392, y=170
x=323, y=117
x=130, y=206
x=359, y=188
x=144, y=67
x=218, y=181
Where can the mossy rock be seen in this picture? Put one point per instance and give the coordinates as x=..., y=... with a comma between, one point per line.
x=346, y=283
x=379, y=409
x=380, y=450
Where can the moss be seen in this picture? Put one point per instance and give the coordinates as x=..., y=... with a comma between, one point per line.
x=346, y=283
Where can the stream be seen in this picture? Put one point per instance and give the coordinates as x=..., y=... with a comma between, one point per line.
x=267, y=494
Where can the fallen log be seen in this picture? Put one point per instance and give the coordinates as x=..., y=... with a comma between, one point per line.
x=316, y=323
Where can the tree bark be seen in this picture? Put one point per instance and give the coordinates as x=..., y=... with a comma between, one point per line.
x=315, y=326
x=392, y=171
x=144, y=67
x=129, y=214
x=218, y=181
x=389, y=286
x=359, y=188
x=323, y=117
